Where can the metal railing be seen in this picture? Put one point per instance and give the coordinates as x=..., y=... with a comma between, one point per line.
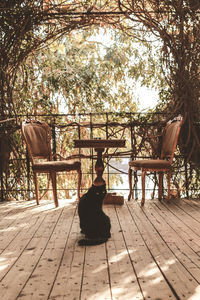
x=135, y=128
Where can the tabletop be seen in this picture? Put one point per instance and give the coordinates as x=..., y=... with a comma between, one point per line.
x=99, y=143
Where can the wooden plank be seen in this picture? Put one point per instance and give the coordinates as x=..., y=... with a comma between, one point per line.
x=67, y=284
x=18, y=222
x=186, y=232
x=23, y=254
x=184, y=217
x=191, y=207
x=171, y=235
x=9, y=206
x=123, y=281
x=150, y=278
x=16, y=247
x=41, y=279
x=95, y=281
x=152, y=253
x=179, y=279
x=10, y=211
x=195, y=203
x=6, y=208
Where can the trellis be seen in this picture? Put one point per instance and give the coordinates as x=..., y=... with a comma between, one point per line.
x=129, y=126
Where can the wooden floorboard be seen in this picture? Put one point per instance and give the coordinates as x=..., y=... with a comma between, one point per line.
x=153, y=252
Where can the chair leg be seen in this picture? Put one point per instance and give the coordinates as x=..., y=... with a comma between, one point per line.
x=53, y=180
x=130, y=184
x=79, y=183
x=160, y=188
x=135, y=184
x=143, y=187
x=36, y=187
x=169, y=173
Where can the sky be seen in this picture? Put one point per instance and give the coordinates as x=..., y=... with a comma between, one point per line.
x=148, y=98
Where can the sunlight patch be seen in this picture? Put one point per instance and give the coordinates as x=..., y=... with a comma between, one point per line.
x=157, y=280
x=122, y=292
x=196, y=295
x=3, y=264
x=150, y=270
x=120, y=256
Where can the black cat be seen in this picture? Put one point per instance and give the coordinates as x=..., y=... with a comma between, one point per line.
x=94, y=223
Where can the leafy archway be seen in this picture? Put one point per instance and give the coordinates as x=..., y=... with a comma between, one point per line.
x=27, y=26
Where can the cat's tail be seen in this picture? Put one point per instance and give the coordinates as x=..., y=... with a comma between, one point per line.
x=91, y=242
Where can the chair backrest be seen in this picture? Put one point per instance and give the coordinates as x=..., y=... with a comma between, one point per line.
x=37, y=136
x=170, y=138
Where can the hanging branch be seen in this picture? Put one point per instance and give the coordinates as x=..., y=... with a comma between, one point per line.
x=177, y=24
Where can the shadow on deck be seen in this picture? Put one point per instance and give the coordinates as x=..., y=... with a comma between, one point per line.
x=154, y=252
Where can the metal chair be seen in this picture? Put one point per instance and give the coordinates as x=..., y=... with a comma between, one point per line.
x=163, y=165
x=37, y=136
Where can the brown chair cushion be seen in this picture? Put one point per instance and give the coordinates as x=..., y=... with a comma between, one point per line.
x=150, y=163
x=57, y=166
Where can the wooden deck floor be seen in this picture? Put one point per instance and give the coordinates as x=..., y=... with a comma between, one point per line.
x=154, y=253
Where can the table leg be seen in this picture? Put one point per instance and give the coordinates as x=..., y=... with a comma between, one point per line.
x=99, y=168
x=110, y=198
x=99, y=145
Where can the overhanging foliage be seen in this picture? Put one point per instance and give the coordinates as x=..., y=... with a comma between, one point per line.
x=27, y=26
